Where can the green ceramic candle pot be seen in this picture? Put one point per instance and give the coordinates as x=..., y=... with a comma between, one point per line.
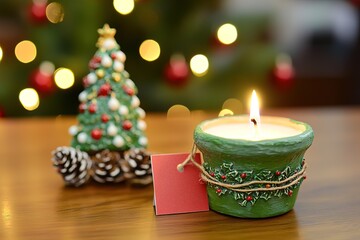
x=268, y=172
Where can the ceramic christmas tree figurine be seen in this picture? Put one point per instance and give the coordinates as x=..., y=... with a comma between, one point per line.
x=110, y=116
x=110, y=121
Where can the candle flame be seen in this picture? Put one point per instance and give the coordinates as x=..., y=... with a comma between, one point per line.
x=254, y=109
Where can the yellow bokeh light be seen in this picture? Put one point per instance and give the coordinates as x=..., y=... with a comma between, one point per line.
x=55, y=12
x=225, y=112
x=227, y=33
x=29, y=98
x=124, y=7
x=1, y=54
x=25, y=51
x=199, y=65
x=178, y=111
x=64, y=78
x=149, y=50
x=234, y=105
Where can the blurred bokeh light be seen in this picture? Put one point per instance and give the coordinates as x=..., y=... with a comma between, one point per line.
x=64, y=78
x=227, y=33
x=199, y=65
x=25, y=51
x=29, y=99
x=124, y=7
x=149, y=50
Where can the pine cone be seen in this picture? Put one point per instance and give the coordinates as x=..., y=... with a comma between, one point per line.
x=137, y=167
x=72, y=164
x=106, y=167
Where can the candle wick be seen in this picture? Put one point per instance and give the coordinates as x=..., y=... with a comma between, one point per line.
x=253, y=120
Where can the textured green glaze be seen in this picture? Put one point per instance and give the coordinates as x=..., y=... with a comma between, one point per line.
x=271, y=155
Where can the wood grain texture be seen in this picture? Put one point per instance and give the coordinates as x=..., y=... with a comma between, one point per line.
x=34, y=204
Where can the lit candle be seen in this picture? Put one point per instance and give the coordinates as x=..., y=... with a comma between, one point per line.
x=253, y=167
x=251, y=128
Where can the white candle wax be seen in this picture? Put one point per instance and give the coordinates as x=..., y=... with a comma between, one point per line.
x=244, y=130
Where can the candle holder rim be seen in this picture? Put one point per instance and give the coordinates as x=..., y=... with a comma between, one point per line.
x=307, y=129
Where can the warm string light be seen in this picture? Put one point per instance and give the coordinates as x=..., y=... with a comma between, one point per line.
x=178, y=111
x=124, y=7
x=1, y=53
x=25, y=51
x=233, y=104
x=227, y=33
x=149, y=50
x=199, y=65
x=29, y=99
x=55, y=12
x=64, y=78
x=225, y=112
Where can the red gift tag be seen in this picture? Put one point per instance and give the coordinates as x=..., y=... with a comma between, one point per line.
x=174, y=191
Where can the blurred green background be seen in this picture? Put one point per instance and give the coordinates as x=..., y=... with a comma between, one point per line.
x=294, y=53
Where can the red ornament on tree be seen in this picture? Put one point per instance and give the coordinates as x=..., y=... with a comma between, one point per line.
x=104, y=90
x=277, y=173
x=113, y=55
x=92, y=108
x=82, y=107
x=85, y=82
x=177, y=71
x=129, y=91
x=42, y=82
x=95, y=62
x=249, y=198
x=105, y=118
x=96, y=134
x=243, y=175
x=127, y=125
x=37, y=12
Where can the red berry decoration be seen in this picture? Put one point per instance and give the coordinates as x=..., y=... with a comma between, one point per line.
x=218, y=190
x=105, y=118
x=96, y=134
x=82, y=107
x=223, y=177
x=304, y=177
x=92, y=108
x=212, y=174
x=290, y=193
x=129, y=91
x=249, y=198
x=277, y=173
x=243, y=175
x=127, y=125
x=104, y=90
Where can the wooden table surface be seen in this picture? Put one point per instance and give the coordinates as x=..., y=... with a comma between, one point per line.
x=34, y=203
